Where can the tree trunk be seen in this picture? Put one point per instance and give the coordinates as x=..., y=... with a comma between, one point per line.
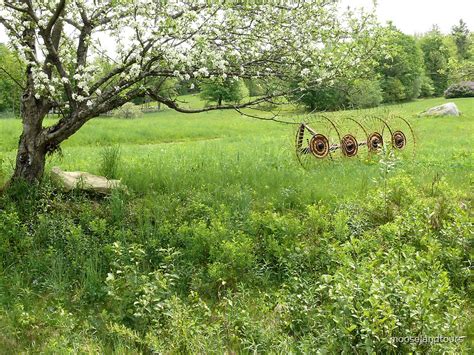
x=30, y=159
x=31, y=155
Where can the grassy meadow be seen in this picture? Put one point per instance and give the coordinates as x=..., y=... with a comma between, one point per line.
x=223, y=243
x=169, y=152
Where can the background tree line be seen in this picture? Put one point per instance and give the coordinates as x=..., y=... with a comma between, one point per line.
x=407, y=67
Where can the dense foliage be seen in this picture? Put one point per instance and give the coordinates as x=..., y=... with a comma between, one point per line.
x=365, y=93
x=322, y=97
x=180, y=273
x=400, y=67
x=11, y=80
x=436, y=55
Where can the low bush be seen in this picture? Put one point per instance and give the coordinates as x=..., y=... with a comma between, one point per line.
x=463, y=89
x=324, y=98
x=128, y=111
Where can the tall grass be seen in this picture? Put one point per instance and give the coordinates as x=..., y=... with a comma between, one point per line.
x=109, y=161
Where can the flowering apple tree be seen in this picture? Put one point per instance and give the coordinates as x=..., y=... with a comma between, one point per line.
x=146, y=42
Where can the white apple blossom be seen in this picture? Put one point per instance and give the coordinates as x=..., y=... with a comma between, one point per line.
x=305, y=72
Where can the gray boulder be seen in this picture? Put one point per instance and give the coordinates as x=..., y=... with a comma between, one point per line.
x=449, y=109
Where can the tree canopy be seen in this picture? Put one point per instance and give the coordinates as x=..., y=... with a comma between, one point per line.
x=400, y=66
x=460, y=33
x=220, y=90
x=436, y=56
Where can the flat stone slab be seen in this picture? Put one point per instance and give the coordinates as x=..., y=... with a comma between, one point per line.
x=70, y=180
x=449, y=109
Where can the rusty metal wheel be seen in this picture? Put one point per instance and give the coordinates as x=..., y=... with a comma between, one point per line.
x=349, y=145
x=403, y=137
x=375, y=142
x=319, y=146
x=399, y=140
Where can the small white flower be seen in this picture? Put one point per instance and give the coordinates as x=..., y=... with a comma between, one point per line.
x=204, y=71
x=305, y=72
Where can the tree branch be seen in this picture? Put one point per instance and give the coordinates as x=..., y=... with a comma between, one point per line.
x=54, y=18
x=53, y=54
x=173, y=105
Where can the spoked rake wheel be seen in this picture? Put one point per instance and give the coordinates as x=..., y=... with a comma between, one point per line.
x=403, y=139
x=349, y=146
x=353, y=143
x=375, y=142
x=379, y=134
x=317, y=140
x=399, y=140
x=319, y=146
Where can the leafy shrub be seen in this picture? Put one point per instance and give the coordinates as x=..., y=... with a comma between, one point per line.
x=365, y=93
x=128, y=111
x=463, y=89
x=138, y=293
x=232, y=260
x=14, y=238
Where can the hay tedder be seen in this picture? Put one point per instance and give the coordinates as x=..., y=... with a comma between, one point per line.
x=323, y=138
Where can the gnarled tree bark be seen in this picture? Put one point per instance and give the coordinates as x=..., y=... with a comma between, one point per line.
x=31, y=155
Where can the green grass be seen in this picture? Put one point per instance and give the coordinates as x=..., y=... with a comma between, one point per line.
x=223, y=243
x=218, y=146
